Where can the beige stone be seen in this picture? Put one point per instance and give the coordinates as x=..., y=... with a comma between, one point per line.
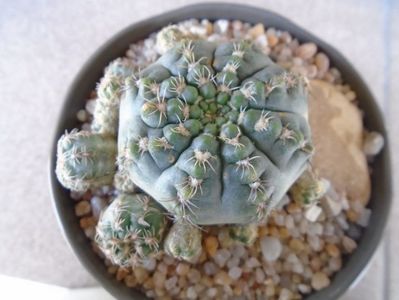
x=337, y=130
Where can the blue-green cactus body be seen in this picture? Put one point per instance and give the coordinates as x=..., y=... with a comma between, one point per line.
x=131, y=228
x=215, y=133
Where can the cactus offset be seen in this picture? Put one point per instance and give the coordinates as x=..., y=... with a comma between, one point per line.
x=184, y=242
x=106, y=112
x=245, y=234
x=308, y=189
x=85, y=160
x=131, y=228
x=217, y=134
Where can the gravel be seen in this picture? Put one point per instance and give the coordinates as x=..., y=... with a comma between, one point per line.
x=298, y=250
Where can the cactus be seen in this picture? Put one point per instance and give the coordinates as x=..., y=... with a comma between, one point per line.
x=85, y=160
x=131, y=228
x=184, y=242
x=106, y=112
x=169, y=36
x=245, y=234
x=217, y=134
x=308, y=189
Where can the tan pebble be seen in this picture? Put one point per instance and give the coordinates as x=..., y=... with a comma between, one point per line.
x=182, y=269
x=159, y=279
x=272, y=40
x=130, y=281
x=160, y=292
x=273, y=231
x=306, y=51
x=112, y=269
x=320, y=281
x=149, y=284
x=293, y=208
x=315, y=263
x=270, y=291
x=328, y=77
x=206, y=281
x=351, y=95
x=286, y=37
x=352, y=215
x=182, y=281
x=284, y=233
x=322, y=63
x=222, y=278
x=121, y=274
x=311, y=71
x=141, y=274
x=349, y=244
x=237, y=291
x=203, y=257
x=296, y=245
x=257, y=30
x=82, y=208
x=87, y=222
x=211, y=245
x=333, y=250
x=263, y=231
x=296, y=278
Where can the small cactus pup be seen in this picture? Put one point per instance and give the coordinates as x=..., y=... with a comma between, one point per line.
x=216, y=133
x=130, y=229
x=245, y=234
x=106, y=112
x=309, y=188
x=169, y=36
x=183, y=242
x=85, y=160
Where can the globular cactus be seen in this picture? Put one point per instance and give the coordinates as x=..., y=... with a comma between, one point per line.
x=131, y=228
x=245, y=234
x=109, y=90
x=215, y=133
x=308, y=189
x=169, y=36
x=85, y=160
x=184, y=242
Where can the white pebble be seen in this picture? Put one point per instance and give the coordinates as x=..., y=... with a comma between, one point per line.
x=312, y=213
x=235, y=273
x=233, y=262
x=289, y=222
x=348, y=244
x=97, y=205
x=314, y=242
x=149, y=264
x=303, y=288
x=82, y=115
x=191, y=293
x=285, y=294
x=221, y=257
x=239, y=251
x=210, y=268
x=279, y=219
x=259, y=276
x=90, y=106
x=333, y=207
x=364, y=218
x=271, y=248
x=373, y=143
x=342, y=222
x=297, y=268
x=212, y=292
x=171, y=283
x=221, y=26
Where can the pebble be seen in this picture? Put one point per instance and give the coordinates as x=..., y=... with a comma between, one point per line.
x=322, y=63
x=285, y=294
x=271, y=248
x=171, y=283
x=191, y=293
x=82, y=208
x=182, y=269
x=313, y=213
x=304, y=289
x=97, y=205
x=354, y=231
x=141, y=274
x=221, y=26
x=364, y=218
x=348, y=244
x=373, y=143
x=333, y=250
x=149, y=264
x=210, y=268
x=320, y=281
x=259, y=276
x=233, y=262
x=306, y=51
x=252, y=263
x=82, y=115
x=211, y=245
x=235, y=273
x=222, y=278
x=194, y=276
x=315, y=242
x=333, y=207
x=221, y=257
x=90, y=106
x=256, y=31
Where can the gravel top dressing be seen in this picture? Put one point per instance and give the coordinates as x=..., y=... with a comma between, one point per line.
x=300, y=247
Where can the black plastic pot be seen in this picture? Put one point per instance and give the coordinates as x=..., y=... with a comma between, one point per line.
x=86, y=80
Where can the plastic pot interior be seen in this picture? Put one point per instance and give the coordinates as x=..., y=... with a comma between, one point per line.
x=86, y=80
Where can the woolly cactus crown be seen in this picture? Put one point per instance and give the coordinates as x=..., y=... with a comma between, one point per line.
x=214, y=133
